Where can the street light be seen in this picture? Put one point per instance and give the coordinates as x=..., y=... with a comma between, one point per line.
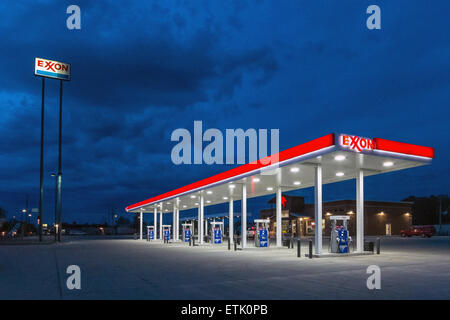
x=24, y=211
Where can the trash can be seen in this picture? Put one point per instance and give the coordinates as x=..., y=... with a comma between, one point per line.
x=368, y=246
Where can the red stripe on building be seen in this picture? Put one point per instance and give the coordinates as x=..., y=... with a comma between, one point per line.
x=401, y=147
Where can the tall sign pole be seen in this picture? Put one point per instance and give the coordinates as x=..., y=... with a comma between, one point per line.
x=59, y=203
x=41, y=183
x=57, y=70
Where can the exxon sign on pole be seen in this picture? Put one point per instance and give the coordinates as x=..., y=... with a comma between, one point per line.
x=51, y=69
x=56, y=70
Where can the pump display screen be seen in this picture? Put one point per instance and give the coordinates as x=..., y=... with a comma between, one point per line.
x=217, y=235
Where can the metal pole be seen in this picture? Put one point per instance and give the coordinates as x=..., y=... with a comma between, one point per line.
x=299, y=253
x=41, y=183
x=440, y=215
x=378, y=245
x=26, y=207
x=59, y=206
x=56, y=206
x=310, y=248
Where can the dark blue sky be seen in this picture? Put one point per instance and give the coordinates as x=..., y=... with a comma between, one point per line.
x=141, y=69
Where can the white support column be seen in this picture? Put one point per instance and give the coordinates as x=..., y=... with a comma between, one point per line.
x=161, y=223
x=318, y=209
x=360, y=211
x=206, y=227
x=244, y=216
x=202, y=208
x=278, y=217
x=231, y=221
x=198, y=223
x=141, y=224
x=177, y=223
x=155, y=222
x=174, y=218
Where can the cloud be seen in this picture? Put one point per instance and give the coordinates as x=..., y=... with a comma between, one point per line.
x=141, y=71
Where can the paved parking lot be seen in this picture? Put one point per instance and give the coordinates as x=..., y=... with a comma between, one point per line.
x=114, y=268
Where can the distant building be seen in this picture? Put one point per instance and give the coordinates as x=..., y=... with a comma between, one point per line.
x=380, y=217
x=426, y=210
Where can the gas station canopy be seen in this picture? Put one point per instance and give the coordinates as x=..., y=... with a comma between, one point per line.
x=341, y=157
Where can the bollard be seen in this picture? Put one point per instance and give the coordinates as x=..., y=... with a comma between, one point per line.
x=235, y=244
x=229, y=243
x=299, y=249
x=378, y=245
x=310, y=248
x=190, y=242
x=193, y=241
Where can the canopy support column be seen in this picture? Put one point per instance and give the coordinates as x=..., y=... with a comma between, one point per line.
x=231, y=221
x=161, y=223
x=177, y=224
x=200, y=222
x=155, y=221
x=174, y=218
x=278, y=217
x=244, y=216
x=318, y=209
x=140, y=224
x=360, y=211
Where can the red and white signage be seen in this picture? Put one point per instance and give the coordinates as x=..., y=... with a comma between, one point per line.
x=51, y=69
x=356, y=143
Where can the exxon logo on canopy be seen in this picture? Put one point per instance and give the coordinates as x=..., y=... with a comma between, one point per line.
x=356, y=143
x=51, y=69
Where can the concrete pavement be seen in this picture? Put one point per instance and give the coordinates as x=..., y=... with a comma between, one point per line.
x=112, y=268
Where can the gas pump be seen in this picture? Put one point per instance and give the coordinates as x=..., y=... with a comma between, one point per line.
x=216, y=232
x=339, y=241
x=187, y=232
x=166, y=232
x=262, y=233
x=150, y=233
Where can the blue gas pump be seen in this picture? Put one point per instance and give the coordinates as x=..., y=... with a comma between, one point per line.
x=166, y=234
x=216, y=232
x=187, y=235
x=150, y=233
x=342, y=240
x=262, y=237
x=262, y=233
x=187, y=231
x=217, y=235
